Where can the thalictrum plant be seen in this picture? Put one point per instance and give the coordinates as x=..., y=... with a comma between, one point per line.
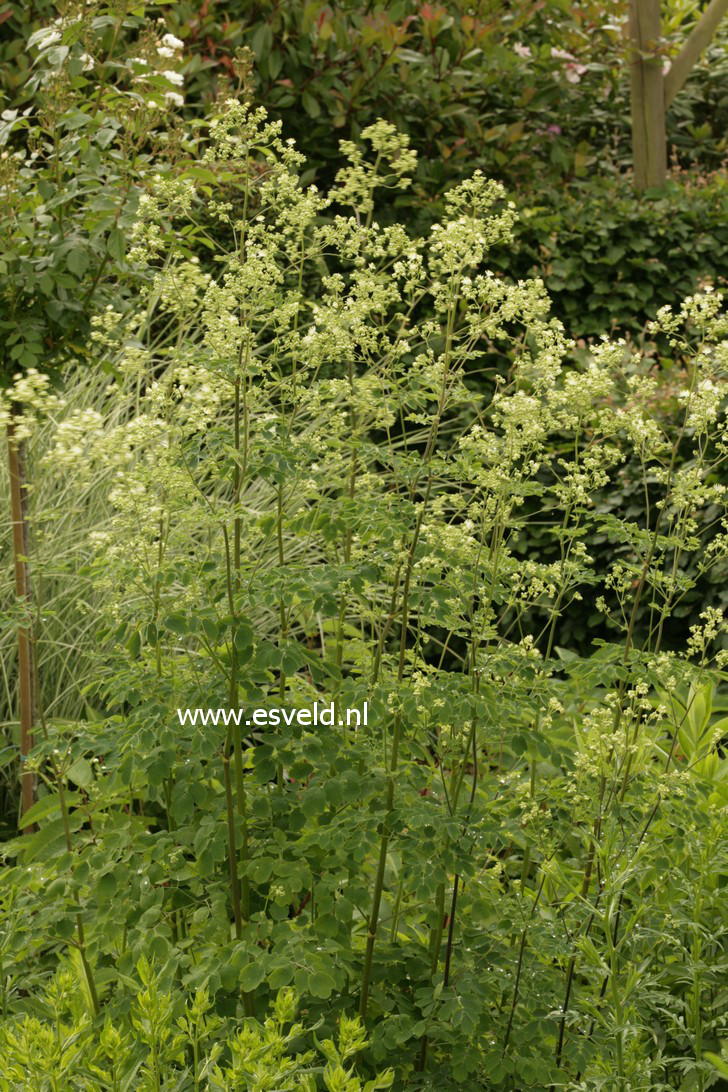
x=313, y=501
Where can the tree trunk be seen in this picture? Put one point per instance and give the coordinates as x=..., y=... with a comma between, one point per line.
x=17, y=465
x=697, y=42
x=648, y=96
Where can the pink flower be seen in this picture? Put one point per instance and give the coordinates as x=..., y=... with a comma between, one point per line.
x=574, y=72
x=522, y=50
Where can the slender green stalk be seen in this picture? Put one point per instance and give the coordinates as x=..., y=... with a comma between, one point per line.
x=373, y=920
x=282, y=681
x=234, y=693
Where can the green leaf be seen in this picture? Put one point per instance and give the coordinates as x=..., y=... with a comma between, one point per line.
x=321, y=984
x=177, y=623
x=310, y=104
x=115, y=244
x=106, y=887
x=383, y=1080
x=80, y=773
x=77, y=261
x=313, y=802
x=262, y=39
x=46, y=806
x=275, y=64
x=293, y=658
x=720, y=1063
x=251, y=976
x=243, y=636
x=48, y=834
x=281, y=976
x=262, y=869
x=7, y=755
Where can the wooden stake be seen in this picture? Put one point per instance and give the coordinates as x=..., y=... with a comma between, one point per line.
x=17, y=465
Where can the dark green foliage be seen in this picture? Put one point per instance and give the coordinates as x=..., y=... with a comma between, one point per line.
x=610, y=258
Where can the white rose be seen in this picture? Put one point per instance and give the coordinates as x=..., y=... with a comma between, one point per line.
x=171, y=42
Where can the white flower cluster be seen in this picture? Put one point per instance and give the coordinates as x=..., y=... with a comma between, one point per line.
x=293, y=385
x=75, y=439
x=392, y=166
x=25, y=401
x=701, y=637
x=169, y=46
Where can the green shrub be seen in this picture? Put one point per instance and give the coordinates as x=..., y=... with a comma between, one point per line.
x=446, y=73
x=611, y=258
x=533, y=94
x=169, y=1040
